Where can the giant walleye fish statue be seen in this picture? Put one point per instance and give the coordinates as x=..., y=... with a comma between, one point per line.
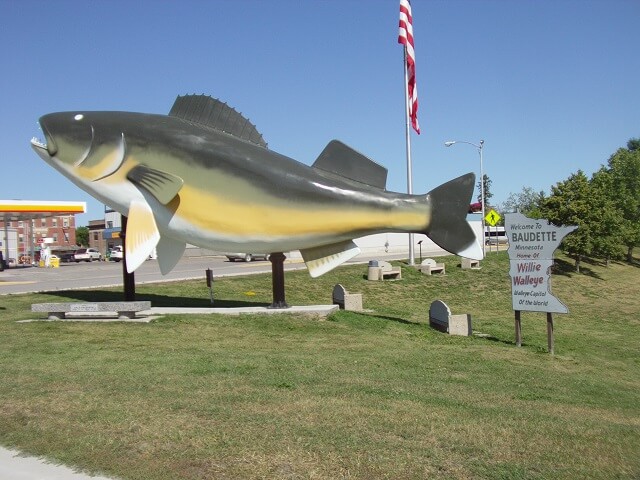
x=203, y=175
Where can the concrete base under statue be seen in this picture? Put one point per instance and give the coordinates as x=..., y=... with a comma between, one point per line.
x=146, y=316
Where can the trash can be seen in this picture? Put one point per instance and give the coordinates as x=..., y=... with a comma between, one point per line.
x=54, y=262
x=374, y=270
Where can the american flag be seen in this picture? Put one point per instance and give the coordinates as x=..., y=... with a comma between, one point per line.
x=405, y=37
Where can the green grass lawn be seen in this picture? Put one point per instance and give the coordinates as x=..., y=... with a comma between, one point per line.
x=358, y=395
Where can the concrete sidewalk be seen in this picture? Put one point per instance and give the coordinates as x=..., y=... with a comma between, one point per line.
x=14, y=466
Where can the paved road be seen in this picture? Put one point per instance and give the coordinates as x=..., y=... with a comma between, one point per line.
x=100, y=274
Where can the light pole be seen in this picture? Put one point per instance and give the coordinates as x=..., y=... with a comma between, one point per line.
x=479, y=147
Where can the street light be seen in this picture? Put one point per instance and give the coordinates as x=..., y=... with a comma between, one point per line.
x=479, y=147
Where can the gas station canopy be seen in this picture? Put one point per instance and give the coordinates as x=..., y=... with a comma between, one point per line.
x=16, y=210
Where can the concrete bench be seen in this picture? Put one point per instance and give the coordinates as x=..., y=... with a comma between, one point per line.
x=441, y=319
x=346, y=300
x=429, y=266
x=388, y=271
x=467, y=263
x=379, y=270
x=58, y=311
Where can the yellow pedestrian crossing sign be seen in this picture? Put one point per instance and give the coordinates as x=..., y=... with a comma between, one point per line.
x=492, y=218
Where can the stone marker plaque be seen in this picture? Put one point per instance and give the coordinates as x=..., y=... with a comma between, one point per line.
x=84, y=307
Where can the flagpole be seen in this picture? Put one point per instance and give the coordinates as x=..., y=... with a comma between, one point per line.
x=412, y=260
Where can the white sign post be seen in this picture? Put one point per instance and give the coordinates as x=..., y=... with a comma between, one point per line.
x=531, y=247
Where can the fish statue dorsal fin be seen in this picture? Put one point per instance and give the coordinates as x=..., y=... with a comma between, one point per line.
x=211, y=112
x=342, y=160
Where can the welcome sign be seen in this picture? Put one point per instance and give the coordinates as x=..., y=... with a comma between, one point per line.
x=531, y=247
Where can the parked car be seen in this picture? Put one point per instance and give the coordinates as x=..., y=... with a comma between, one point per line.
x=67, y=257
x=116, y=253
x=247, y=257
x=87, y=255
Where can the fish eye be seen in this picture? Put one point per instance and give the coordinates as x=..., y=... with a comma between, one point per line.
x=78, y=117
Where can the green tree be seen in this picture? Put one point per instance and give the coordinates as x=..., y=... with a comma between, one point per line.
x=487, y=191
x=570, y=203
x=607, y=227
x=82, y=236
x=527, y=202
x=633, y=144
x=624, y=170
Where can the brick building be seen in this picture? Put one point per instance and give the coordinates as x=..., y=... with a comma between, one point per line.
x=31, y=234
x=96, y=236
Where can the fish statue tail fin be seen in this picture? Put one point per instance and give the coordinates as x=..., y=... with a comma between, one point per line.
x=448, y=226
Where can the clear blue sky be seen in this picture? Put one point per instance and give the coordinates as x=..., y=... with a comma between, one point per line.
x=550, y=85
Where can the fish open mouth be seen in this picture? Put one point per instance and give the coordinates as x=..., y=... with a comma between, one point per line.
x=41, y=148
x=46, y=147
x=37, y=143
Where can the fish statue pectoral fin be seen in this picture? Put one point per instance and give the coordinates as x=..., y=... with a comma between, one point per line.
x=320, y=260
x=162, y=185
x=142, y=234
x=170, y=252
x=448, y=226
